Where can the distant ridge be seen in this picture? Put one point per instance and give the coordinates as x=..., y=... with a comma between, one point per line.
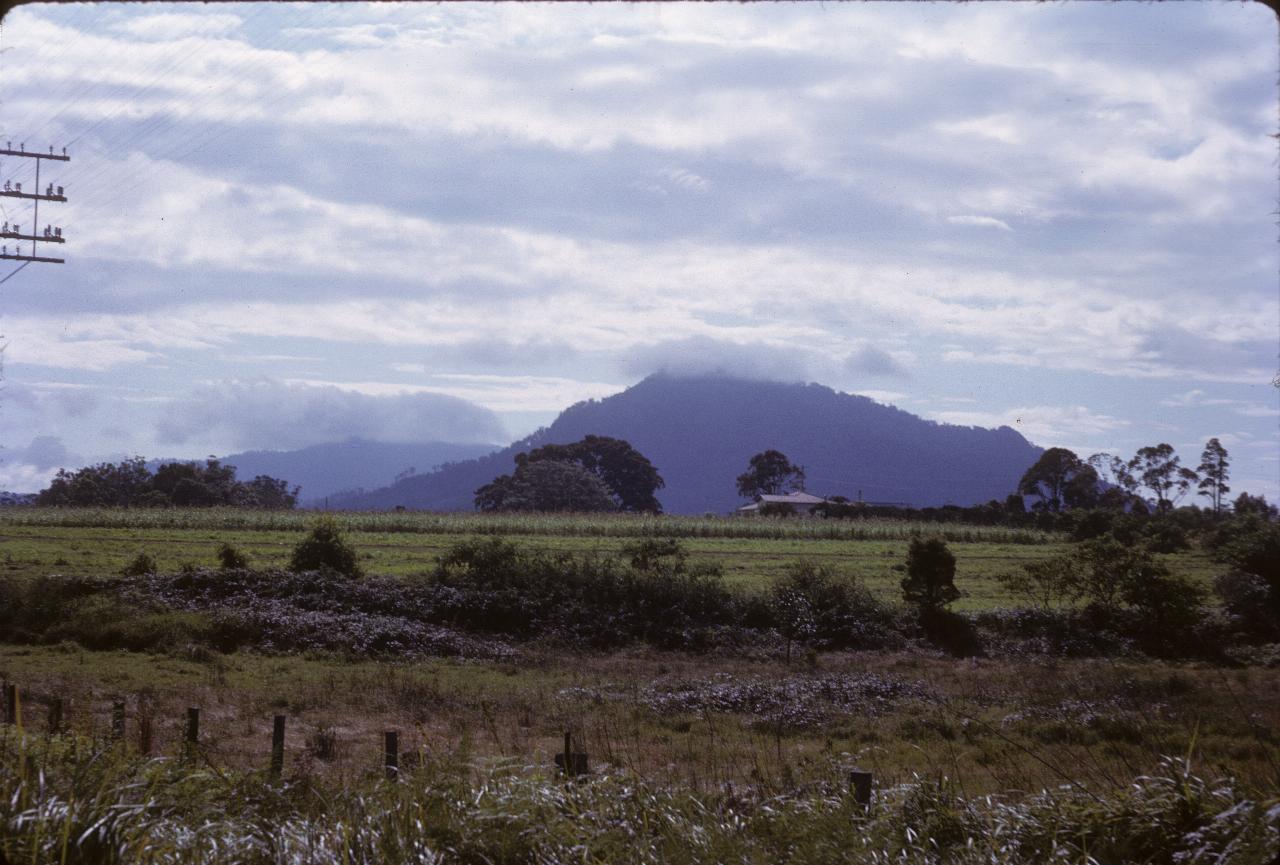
x=325, y=469
x=700, y=432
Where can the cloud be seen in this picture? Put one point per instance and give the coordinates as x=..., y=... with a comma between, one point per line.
x=980, y=221
x=176, y=25
x=888, y=397
x=503, y=393
x=1045, y=425
x=869, y=360
x=45, y=452
x=702, y=355
x=275, y=415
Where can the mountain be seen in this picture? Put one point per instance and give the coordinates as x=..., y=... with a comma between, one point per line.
x=700, y=432
x=323, y=470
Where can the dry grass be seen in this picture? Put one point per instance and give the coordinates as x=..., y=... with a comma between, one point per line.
x=701, y=722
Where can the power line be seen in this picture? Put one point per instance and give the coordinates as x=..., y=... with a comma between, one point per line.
x=14, y=273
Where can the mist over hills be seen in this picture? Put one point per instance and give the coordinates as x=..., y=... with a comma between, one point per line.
x=700, y=431
x=325, y=469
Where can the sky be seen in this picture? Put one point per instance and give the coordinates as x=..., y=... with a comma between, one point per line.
x=296, y=223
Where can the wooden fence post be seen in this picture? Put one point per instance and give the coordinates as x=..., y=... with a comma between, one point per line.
x=55, y=716
x=391, y=753
x=572, y=763
x=117, y=719
x=277, y=747
x=860, y=783
x=10, y=703
x=193, y=728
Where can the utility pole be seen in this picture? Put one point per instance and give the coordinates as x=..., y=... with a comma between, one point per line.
x=51, y=193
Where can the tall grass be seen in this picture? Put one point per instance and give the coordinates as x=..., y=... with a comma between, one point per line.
x=587, y=525
x=64, y=802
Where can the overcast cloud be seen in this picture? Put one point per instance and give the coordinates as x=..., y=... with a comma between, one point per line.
x=291, y=223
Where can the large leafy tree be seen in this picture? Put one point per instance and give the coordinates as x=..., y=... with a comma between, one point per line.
x=768, y=472
x=1214, y=473
x=547, y=486
x=623, y=475
x=1158, y=469
x=1060, y=479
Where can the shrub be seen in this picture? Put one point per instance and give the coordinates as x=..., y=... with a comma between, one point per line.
x=232, y=559
x=649, y=553
x=141, y=565
x=931, y=571
x=324, y=547
x=1045, y=584
x=1247, y=599
x=495, y=586
x=809, y=604
x=1168, y=607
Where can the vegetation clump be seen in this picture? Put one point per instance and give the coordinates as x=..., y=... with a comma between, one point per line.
x=325, y=547
x=231, y=558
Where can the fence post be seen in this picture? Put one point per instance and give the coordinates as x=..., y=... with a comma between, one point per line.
x=55, y=716
x=193, y=728
x=572, y=764
x=117, y=719
x=10, y=703
x=277, y=747
x=860, y=782
x=391, y=753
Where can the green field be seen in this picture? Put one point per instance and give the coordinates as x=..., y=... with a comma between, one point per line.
x=750, y=552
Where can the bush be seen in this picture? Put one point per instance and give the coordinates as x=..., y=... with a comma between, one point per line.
x=324, y=547
x=493, y=585
x=104, y=623
x=1167, y=609
x=931, y=570
x=811, y=605
x=141, y=565
x=1246, y=598
x=232, y=559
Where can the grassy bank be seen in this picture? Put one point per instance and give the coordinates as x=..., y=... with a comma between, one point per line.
x=68, y=798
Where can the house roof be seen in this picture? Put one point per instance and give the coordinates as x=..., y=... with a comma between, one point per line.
x=792, y=498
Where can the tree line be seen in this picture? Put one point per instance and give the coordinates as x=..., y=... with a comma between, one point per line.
x=131, y=484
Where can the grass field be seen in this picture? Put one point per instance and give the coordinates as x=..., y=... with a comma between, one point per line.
x=700, y=721
x=719, y=745
x=97, y=543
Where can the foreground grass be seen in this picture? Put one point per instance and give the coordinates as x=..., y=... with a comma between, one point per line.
x=64, y=800
x=699, y=722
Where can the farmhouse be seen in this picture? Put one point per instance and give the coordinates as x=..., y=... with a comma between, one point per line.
x=802, y=502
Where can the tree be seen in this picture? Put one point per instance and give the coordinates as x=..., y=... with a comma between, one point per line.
x=629, y=477
x=1246, y=504
x=130, y=484
x=266, y=493
x=931, y=572
x=1158, y=469
x=546, y=486
x=1121, y=487
x=102, y=485
x=1060, y=479
x=767, y=473
x=1214, y=474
